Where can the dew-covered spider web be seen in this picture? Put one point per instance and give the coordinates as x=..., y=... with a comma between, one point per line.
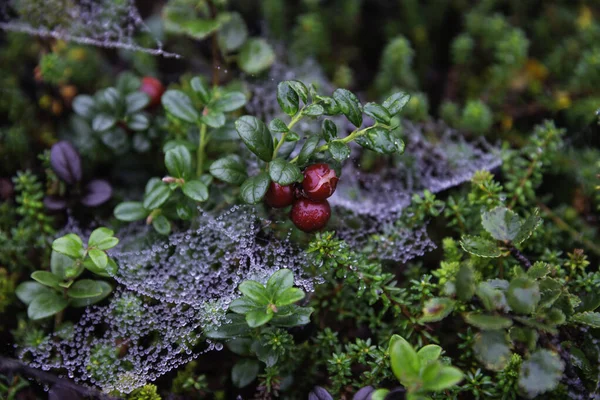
x=171, y=290
x=102, y=23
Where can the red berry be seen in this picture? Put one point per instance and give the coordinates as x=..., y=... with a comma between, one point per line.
x=153, y=88
x=319, y=181
x=310, y=215
x=279, y=196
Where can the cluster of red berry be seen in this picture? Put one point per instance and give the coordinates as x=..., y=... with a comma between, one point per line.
x=310, y=208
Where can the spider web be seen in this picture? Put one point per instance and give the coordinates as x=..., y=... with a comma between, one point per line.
x=102, y=23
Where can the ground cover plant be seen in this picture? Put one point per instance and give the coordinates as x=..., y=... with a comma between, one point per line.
x=221, y=199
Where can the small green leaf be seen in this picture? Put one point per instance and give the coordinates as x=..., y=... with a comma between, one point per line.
x=229, y=169
x=287, y=98
x=255, y=291
x=396, y=102
x=130, y=211
x=586, y=318
x=284, y=172
x=29, y=290
x=300, y=89
x=329, y=130
x=491, y=348
x=254, y=189
x=214, y=118
x=201, y=89
x=479, y=246
x=180, y=106
x=255, y=134
x=404, y=360
x=379, y=394
x=446, y=377
x=436, y=309
x=84, y=105
x=377, y=112
x=255, y=56
x=313, y=110
x=541, y=372
x=159, y=194
x=501, y=223
x=550, y=291
x=487, y=322
x=279, y=282
x=289, y=296
x=538, y=270
x=162, y=225
x=178, y=161
x=340, y=151
x=45, y=305
x=258, y=318
x=62, y=266
x=229, y=102
x=99, y=258
x=429, y=353
x=233, y=33
x=244, y=372
x=46, y=278
x=85, y=288
x=88, y=301
x=278, y=126
x=136, y=101
x=103, y=122
x=528, y=227
x=381, y=140
x=299, y=316
x=492, y=298
x=70, y=245
x=308, y=148
x=523, y=295
x=195, y=190
x=235, y=328
x=99, y=236
x=243, y=305
x=349, y=105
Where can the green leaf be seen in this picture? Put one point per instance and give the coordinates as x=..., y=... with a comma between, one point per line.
x=258, y=318
x=70, y=245
x=446, y=377
x=523, y=295
x=429, y=353
x=538, y=270
x=587, y=318
x=159, y=194
x=278, y=126
x=329, y=130
x=162, y=225
x=550, y=291
x=214, y=118
x=436, y=309
x=380, y=140
x=178, y=161
x=479, y=246
x=130, y=211
x=491, y=348
x=184, y=20
x=465, y=282
x=378, y=113
x=99, y=258
x=27, y=291
x=233, y=33
x=349, y=105
x=46, y=278
x=254, y=189
x=284, y=172
x=244, y=372
x=279, y=282
x=528, y=227
x=243, y=305
x=61, y=265
x=235, y=328
x=45, y=305
x=300, y=89
x=180, y=106
x=229, y=169
x=85, y=288
x=501, y=223
x=396, y=102
x=100, y=236
x=541, y=372
x=255, y=134
x=255, y=56
x=88, y=301
x=340, y=151
x=84, y=105
x=300, y=316
x=195, y=190
x=229, y=102
x=404, y=360
x=103, y=122
x=136, y=101
x=138, y=122
x=255, y=291
x=492, y=298
x=487, y=322
x=287, y=98
x=200, y=89
x=308, y=148
x=379, y=394
x=289, y=296
x=313, y=110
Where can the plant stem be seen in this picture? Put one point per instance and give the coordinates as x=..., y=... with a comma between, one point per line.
x=519, y=257
x=201, y=147
x=356, y=133
x=293, y=122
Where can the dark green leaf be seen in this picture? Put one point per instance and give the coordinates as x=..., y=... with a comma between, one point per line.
x=157, y=197
x=480, y=247
x=381, y=141
x=244, y=372
x=229, y=102
x=255, y=291
x=85, y=288
x=287, y=98
x=501, y=223
x=299, y=316
x=229, y=169
x=61, y=265
x=130, y=211
x=528, y=227
x=254, y=189
x=587, y=318
x=84, y=105
x=523, y=295
x=201, y=89
x=46, y=278
x=255, y=56
x=300, y=89
x=236, y=327
x=465, y=282
x=308, y=148
x=313, y=110
x=45, y=305
x=70, y=245
x=284, y=172
x=329, y=130
x=550, y=290
x=180, y=106
x=279, y=282
x=138, y=122
x=161, y=224
x=214, y=119
x=136, y=101
x=195, y=190
x=278, y=126
x=88, y=301
x=27, y=291
x=487, y=322
x=258, y=318
x=377, y=112
x=233, y=33
x=349, y=106
x=256, y=136
x=339, y=150
x=243, y=305
x=396, y=102
x=178, y=161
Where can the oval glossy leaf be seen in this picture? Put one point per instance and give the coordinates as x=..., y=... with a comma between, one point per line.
x=99, y=235
x=45, y=305
x=85, y=288
x=27, y=291
x=284, y=172
x=380, y=140
x=161, y=224
x=229, y=102
x=329, y=130
x=256, y=136
x=396, y=102
x=46, y=278
x=255, y=291
x=88, y=301
x=61, y=265
x=254, y=189
x=157, y=197
x=179, y=105
x=99, y=258
x=66, y=162
x=138, y=122
x=201, y=89
x=403, y=359
x=70, y=245
x=308, y=148
x=377, y=112
x=130, y=211
x=233, y=33
x=229, y=169
x=244, y=372
x=313, y=110
x=178, y=161
x=214, y=118
x=280, y=281
x=195, y=190
x=340, y=151
x=103, y=122
x=255, y=56
x=136, y=101
x=349, y=106
x=289, y=296
x=278, y=126
x=287, y=98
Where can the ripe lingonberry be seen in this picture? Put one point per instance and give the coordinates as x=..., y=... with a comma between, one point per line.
x=279, y=196
x=319, y=181
x=310, y=215
x=153, y=88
